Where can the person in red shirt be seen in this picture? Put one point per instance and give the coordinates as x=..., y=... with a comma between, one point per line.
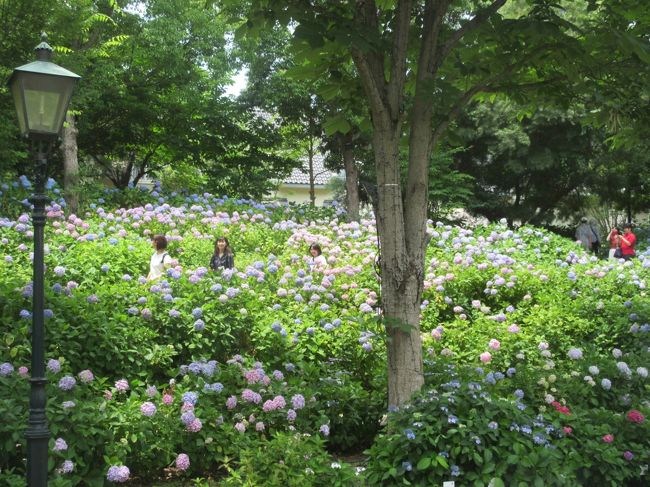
x=627, y=241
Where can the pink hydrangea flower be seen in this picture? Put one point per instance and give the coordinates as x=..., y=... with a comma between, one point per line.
x=635, y=416
x=148, y=409
x=182, y=461
x=495, y=344
x=269, y=406
x=485, y=357
x=231, y=402
x=195, y=426
x=608, y=438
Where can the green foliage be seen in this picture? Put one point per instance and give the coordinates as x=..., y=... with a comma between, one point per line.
x=448, y=188
x=526, y=296
x=483, y=429
x=524, y=168
x=291, y=459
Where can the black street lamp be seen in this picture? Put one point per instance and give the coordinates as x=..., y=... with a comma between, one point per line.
x=41, y=92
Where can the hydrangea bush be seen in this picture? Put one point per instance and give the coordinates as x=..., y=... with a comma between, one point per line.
x=201, y=371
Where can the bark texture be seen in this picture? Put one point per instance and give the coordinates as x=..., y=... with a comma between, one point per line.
x=70, y=164
x=351, y=183
x=312, y=176
x=401, y=284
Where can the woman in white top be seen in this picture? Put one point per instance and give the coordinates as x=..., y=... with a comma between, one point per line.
x=317, y=261
x=160, y=260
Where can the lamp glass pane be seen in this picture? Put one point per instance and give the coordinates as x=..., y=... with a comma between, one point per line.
x=46, y=99
x=18, y=102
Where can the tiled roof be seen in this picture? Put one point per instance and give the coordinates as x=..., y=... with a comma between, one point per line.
x=301, y=175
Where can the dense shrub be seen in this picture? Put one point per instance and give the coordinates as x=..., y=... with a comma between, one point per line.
x=565, y=329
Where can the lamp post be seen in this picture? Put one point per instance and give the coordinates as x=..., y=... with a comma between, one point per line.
x=41, y=92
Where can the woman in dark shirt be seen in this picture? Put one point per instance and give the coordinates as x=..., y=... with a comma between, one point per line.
x=223, y=256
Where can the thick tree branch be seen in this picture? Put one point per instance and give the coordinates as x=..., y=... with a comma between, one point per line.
x=399, y=53
x=370, y=62
x=374, y=90
x=434, y=13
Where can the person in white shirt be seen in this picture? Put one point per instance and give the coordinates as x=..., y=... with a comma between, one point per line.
x=318, y=262
x=160, y=260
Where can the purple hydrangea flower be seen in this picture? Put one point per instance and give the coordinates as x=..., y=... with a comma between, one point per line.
x=60, y=445
x=66, y=467
x=118, y=474
x=187, y=417
x=190, y=397
x=148, y=409
x=195, y=426
x=86, y=376
x=54, y=366
x=6, y=369
x=575, y=354
x=298, y=401
x=67, y=383
x=182, y=461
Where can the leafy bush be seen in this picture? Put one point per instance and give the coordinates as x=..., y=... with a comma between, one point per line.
x=291, y=460
x=476, y=427
x=560, y=326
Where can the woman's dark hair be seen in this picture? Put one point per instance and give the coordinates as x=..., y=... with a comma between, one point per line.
x=316, y=247
x=160, y=241
x=227, y=250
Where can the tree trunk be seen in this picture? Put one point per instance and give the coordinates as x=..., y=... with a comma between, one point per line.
x=351, y=183
x=312, y=182
x=401, y=284
x=70, y=164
